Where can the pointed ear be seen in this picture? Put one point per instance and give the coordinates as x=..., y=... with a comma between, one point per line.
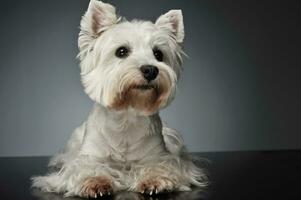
x=97, y=19
x=172, y=21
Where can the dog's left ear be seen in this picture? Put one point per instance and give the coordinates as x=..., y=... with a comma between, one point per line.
x=172, y=22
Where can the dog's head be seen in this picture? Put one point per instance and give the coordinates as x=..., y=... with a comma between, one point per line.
x=130, y=65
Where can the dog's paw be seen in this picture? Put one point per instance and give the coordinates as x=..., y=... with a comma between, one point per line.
x=155, y=185
x=96, y=187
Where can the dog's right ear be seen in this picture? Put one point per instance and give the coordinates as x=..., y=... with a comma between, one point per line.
x=97, y=19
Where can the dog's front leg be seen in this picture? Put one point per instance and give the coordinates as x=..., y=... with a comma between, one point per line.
x=84, y=176
x=154, y=184
x=157, y=178
x=96, y=186
x=98, y=179
x=168, y=173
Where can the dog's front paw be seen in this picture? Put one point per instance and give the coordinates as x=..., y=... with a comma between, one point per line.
x=155, y=185
x=96, y=187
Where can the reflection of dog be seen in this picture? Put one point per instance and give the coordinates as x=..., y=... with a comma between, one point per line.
x=130, y=70
x=124, y=195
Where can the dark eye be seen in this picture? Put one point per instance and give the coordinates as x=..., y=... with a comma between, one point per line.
x=158, y=54
x=122, y=52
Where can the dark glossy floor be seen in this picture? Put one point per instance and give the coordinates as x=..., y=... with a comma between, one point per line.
x=233, y=175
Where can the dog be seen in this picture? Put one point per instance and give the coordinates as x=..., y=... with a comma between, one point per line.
x=130, y=70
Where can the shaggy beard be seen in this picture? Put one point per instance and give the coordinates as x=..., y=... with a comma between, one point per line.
x=142, y=96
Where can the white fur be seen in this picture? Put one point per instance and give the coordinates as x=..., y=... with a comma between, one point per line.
x=127, y=145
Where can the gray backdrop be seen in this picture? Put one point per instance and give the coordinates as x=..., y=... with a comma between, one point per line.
x=240, y=89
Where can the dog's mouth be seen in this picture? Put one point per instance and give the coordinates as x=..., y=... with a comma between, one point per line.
x=145, y=87
x=145, y=97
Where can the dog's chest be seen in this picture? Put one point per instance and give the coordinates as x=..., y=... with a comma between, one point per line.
x=122, y=138
x=134, y=142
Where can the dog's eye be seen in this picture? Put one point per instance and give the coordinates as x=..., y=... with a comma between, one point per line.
x=122, y=52
x=158, y=54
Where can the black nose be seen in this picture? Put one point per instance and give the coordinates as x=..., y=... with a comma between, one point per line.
x=149, y=72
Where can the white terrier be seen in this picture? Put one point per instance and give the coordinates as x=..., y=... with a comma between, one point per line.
x=130, y=69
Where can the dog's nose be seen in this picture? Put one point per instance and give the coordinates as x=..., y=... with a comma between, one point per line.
x=149, y=72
